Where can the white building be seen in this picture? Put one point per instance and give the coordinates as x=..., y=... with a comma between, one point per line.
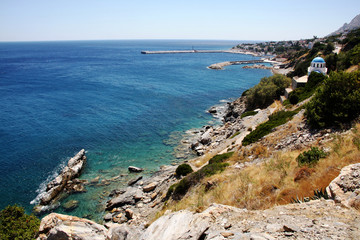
x=318, y=65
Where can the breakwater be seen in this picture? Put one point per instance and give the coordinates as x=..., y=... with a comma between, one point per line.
x=186, y=51
x=221, y=65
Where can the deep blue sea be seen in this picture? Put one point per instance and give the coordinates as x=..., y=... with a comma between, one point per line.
x=123, y=107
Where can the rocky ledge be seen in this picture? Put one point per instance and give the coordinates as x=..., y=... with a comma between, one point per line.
x=345, y=189
x=65, y=181
x=317, y=219
x=136, y=203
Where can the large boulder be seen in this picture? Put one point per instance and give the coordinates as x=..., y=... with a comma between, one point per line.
x=345, y=188
x=179, y=225
x=123, y=232
x=150, y=187
x=126, y=198
x=59, y=226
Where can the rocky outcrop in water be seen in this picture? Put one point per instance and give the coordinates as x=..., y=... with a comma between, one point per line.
x=65, y=181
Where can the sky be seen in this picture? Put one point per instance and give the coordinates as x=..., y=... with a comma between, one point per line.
x=48, y=20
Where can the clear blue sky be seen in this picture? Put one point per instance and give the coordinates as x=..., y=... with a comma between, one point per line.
x=41, y=20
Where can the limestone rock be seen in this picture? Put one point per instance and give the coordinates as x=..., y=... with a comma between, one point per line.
x=150, y=187
x=71, y=171
x=59, y=226
x=318, y=219
x=128, y=197
x=135, y=180
x=205, y=139
x=135, y=169
x=345, y=188
x=129, y=213
x=108, y=217
x=123, y=232
x=179, y=225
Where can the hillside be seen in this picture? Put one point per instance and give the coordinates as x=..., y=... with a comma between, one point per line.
x=247, y=183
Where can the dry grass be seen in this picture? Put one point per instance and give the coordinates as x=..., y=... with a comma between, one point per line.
x=272, y=182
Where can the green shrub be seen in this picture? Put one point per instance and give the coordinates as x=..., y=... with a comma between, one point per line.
x=356, y=141
x=318, y=194
x=216, y=164
x=293, y=98
x=336, y=102
x=181, y=188
x=263, y=129
x=268, y=90
x=212, y=169
x=248, y=113
x=220, y=158
x=16, y=224
x=170, y=191
x=310, y=157
x=183, y=169
x=314, y=80
x=234, y=135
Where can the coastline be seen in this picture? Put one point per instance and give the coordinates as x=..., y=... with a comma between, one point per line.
x=200, y=138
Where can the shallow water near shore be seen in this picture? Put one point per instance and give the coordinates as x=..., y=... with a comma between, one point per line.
x=123, y=107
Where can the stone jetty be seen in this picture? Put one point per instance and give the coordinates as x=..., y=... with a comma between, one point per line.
x=186, y=51
x=220, y=66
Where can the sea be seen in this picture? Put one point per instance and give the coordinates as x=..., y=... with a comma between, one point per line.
x=123, y=107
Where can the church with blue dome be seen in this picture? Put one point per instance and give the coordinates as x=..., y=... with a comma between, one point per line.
x=318, y=64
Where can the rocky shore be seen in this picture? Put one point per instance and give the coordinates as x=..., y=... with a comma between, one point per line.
x=130, y=211
x=317, y=219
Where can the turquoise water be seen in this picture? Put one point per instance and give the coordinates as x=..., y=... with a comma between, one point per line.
x=123, y=107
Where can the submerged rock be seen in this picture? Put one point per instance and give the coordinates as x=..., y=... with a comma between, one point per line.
x=70, y=205
x=135, y=169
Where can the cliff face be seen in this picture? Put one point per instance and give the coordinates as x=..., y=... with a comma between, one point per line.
x=355, y=23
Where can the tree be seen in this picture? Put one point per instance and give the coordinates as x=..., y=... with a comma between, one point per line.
x=314, y=80
x=16, y=224
x=268, y=90
x=336, y=102
x=329, y=48
x=331, y=62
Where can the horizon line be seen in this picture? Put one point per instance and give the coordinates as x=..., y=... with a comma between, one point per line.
x=142, y=39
